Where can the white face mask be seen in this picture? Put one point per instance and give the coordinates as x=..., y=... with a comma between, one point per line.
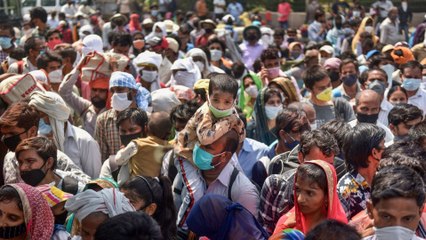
x=368, y=29
x=314, y=125
x=404, y=6
x=252, y=91
x=55, y=76
x=200, y=65
x=272, y=111
x=389, y=69
x=184, y=78
x=158, y=34
x=120, y=101
x=215, y=55
x=149, y=76
x=394, y=232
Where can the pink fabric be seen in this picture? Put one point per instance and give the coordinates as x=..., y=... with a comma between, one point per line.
x=284, y=9
x=134, y=24
x=335, y=210
x=38, y=215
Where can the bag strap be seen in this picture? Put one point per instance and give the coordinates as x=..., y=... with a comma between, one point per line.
x=20, y=66
x=231, y=181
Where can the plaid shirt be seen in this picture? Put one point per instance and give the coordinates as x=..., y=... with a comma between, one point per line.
x=276, y=198
x=107, y=135
x=3, y=56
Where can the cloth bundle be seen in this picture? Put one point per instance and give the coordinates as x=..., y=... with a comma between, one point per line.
x=97, y=65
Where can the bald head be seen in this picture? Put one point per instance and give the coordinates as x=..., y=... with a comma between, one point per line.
x=305, y=107
x=159, y=125
x=368, y=102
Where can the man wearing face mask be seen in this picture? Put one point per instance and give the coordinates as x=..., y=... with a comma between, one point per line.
x=147, y=65
x=349, y=76
x=88, y=110
x=19, y=122
x=411, y=76
x=332, y=65
x=125, y=94
x=6, y=41
x=318, y=83
x=250, y=47
x=209, y=26
x=51, y=63
x=33, y=47
x=170, y=55
x=367, y=108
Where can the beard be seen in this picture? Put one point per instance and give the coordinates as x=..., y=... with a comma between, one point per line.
x=98, y=103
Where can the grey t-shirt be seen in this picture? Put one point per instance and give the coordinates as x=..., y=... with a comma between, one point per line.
x=341, y=110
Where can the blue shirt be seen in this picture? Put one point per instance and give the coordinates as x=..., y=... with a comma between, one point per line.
x=314, y=32
x=250, y=153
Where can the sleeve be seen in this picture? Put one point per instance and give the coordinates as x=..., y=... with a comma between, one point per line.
x=341, y=188
x=266, y=205
x=383, y=33
x=91, y=157
x=100, y=136
x=123, y=155
x=105, y=170
x=313, y=34
x=247, y=194
x=79, y=104
x=10, y=167
x=65, y=164
x=13, y=68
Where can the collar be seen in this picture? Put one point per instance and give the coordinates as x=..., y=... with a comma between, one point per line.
x=225, y=174
x=359, y=179
x=70, y=133
x=418, y=94
x=247, y=147
x=386, y=105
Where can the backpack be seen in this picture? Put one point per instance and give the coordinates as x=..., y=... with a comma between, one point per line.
x=234, y=175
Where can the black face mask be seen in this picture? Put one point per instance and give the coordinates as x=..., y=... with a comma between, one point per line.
x=251, y=37
x=365, y=118
x=290, y=40
x=99, y=104
x=12, y=141
x=33, y=177
x=208, y=30
x=60, y=219
x=334, y=76
x=12, y=232
x=126, y=139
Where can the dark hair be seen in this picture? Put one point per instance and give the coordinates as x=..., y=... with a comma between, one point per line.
x=17, y=53
x=400, y=159
x=232, y=141
x=397, y=182
x=417, y=133
x=377, y=59
x=314, y=74
x=339, y=231
x=9, y=193
x=184, y=112
x=359, y=142
x=404, y=112
x=314, y=174
x=223, y=82
x=270, y=92
x=396, y=88
x=412, y=65
x=220, y=42
x=158, y=191
x=407, y=148
x=321, y=139
x=318, y=13
x=348, y=54
x=53, y=31
x=289, y=118
x=40, y=13
x=338, y=129
x=68, y=52
x=159, y=125
x=122, y=39
x=135, y=115
x=370, y=70
x=29, y=44
x=131, y=226
x=49, y=56
x=43, y=146
x=279, y=32
x=20, y=115
x=349, y=61
x=269, y=53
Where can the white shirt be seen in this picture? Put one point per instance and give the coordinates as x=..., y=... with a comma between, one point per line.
x=221, y=9
x=83, y=150
x=69, y=10
x=388, y=137
x=419, y=100
x=385, y=108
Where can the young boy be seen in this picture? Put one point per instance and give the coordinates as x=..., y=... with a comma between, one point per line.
x=211, y=121
x=396, y=205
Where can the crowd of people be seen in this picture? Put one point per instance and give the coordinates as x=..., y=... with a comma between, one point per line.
x=173, y=125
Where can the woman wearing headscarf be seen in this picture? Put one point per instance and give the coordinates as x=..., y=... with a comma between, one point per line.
x=185, y=72
x=365, y=26
x=92, y=43
x=33, y=218
x=249, y=90
x=202, y=62
x=287, y=88
x=134, y=24
x=268, y=104
x=314, y=194
x=93, y=208
x=147, y=65
x=217, y=217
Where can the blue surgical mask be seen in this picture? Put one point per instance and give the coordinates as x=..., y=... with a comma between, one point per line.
x=5, y=42
x=44, y=128
x=202, y=158
x=411, y=84
x=292, y=144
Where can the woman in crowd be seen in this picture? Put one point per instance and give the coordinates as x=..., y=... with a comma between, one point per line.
x=287, y=89
x=154, y=197
x=365, y=26
x=250, y=87
x=397, y=94
x=24, y=213
x=315, y=198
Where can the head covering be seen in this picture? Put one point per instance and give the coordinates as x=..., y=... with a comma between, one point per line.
x=202, y=84
x=189, y=65
x=109, y=201
x=207, y=22
x=288, y=88
x=18, y=87
x=92, y=43
x=147, y=21
x=173, y=44
x=227, y=18
x=328, y=49
x=164, y=100
x=292, y=44
x=120, y=16
x=171, y=27
x=217, y=217
x=160, y=25
x=371, y=53
x=55, y=107
x=123, y=79
x=402, y=55
x=183, y=92
x=134, y=24
x=332, y=63
x=53, y=195
x=100, y=83
x=102, y=183
x=85, y=31
x=334, y=207
x=263, y=133
x=242, y=103
x=39, y=75
x=147, y=57
x=38, y=217
x=259, y=34
x=387, y=48
x=197, y=52
x=361, y=29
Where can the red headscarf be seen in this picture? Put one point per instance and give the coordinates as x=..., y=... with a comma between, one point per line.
x=102, y=83
x=334, y=211
x=134, y=24
x=38, y=216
